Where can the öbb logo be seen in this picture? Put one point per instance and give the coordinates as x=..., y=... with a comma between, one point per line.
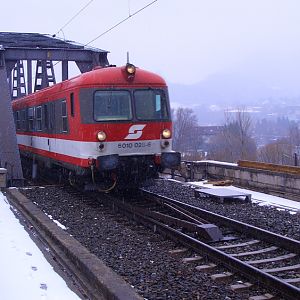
x=135, y=132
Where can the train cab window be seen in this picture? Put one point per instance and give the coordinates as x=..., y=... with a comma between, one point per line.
x=64, y=116
x=31, y=118
x=38, y=112
x=112, y=106
x=151, y=105
x=18, y=121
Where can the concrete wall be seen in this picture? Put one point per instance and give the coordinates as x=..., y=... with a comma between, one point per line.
x=3, y=177
x=246, y=177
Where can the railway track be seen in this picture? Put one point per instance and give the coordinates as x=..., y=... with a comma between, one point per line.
x=244, y=250
x=261, y=256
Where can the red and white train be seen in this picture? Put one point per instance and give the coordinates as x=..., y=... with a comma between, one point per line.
x=107, y=126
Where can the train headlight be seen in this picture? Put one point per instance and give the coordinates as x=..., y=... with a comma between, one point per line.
x=101, y=136
x=130, y=69
x=166, y=134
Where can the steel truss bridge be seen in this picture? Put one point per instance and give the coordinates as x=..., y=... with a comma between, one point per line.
x=24, y=56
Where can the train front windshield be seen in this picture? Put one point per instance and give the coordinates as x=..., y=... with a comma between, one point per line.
x=112, y=105
x=149, y=104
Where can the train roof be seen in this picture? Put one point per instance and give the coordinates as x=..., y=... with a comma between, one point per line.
x=101, y=77
x=116, y=76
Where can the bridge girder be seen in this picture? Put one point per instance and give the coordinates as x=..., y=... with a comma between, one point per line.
x=15, y=48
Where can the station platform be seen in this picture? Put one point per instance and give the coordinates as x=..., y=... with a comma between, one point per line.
x=25, y=272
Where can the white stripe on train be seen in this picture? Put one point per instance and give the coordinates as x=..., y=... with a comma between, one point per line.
x=85, y=150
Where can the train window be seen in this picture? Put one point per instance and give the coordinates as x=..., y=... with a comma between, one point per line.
x=31, y=118
x=151, y=105
x=18, y=122
x=72, y=104
x=64, y=116
x=23, y=119
x=38, y=112
x=51, y=115
x=112, y=106
x=46, y=117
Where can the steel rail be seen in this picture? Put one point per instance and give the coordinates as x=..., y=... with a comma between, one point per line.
x=270, y=237
x=255, y=274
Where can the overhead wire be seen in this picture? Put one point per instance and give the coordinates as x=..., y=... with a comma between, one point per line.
x=71, y=19
x=129, y=13
x=65, y=25
x=122, y=21
x=105, y=32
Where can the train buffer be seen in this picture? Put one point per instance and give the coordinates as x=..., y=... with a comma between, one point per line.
x=221, y=194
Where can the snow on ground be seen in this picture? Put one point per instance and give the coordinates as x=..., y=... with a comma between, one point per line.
x=56, y=222
x=24, y=271
x=260, y=198
x=217, y=162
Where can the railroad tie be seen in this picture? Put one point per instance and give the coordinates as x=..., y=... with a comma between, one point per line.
x=178, y=251
x=292, y=280
x=222, y=277
x=282, y=269
x=240, y=286
x=265, y=250
x=191, y=259
x=272, y=259
x=238, y=245
x=206, y=267
x=262, y=297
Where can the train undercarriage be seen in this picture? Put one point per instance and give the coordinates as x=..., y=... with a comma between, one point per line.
x=130, y=173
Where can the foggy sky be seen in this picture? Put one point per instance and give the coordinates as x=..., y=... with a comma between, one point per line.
x=185, y=41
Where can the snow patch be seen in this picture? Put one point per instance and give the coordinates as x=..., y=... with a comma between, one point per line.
x=260, y=198
x=25, y=272
x=56, y=222
x=217, y=162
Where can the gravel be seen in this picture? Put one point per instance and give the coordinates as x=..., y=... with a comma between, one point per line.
x=142, y=257
x=266, y=217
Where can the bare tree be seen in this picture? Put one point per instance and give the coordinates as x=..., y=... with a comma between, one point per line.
x=279, y=152
x=234, y=142
x=283, y=150
x=184, y=130
x=294, y=135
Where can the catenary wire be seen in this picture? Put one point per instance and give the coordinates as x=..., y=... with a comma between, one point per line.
x=78, y=13
x=108, y=30
x=124, y=20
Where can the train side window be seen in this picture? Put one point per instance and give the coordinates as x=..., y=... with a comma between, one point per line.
x=64, y=116
x=72, y=104
x=51, y=115
x=31, y=118
x=46, y=117
x=23, y=119
x=38, y=112
x=18, y=121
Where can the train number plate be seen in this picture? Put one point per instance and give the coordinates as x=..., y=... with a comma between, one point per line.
x=134, y=145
